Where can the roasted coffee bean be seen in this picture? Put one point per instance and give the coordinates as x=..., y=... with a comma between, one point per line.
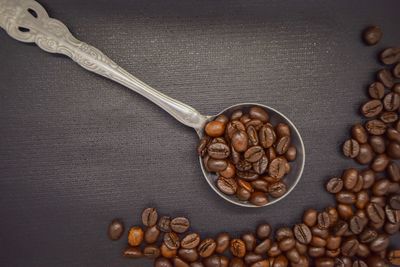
x=189, y=255
x=276, y=168
x=202, y=146
x=389, y=116
x=260, y=185
x=224, y=261
x=286, y=244
x=151, y=234
x=246, y=185
x=381, y=187
x=227, y=186
x=333, y=242
x=375, y=213
x=162, y=262
x=390, y=55
x=340, y=228
x=133, y=252
x=233, y=127
x=212, y=261
x=301, y=248
x=218, y=151
x=350, y=177
x=393, y=150
x=351, y=148
x=362, y=199
x=346, y=197
x=359, y=263
x=243, y=165
x=394, y=257
x=254, y=154
x=391, y=228
x=271, y=154
x=243, y=194
x=391, y=102
x=235, y=156
x=381, y=201
x=135, y=236
x=394, y=188
x=323, y=220
x=316, y=252
x=277, y=190
x=380, y=163
x=263, y=231
x=190, y=241
x=350, y=247
x=393, y=171
x=283, y=232
x=359, y=185
x=378, y=144
x=282, y=129
x=215, y=128
x=180, y=225
x=302, y=233
x=258, y=113
x=258, y=198
x=252, y=135
x=167, y=252
x=267, y=136
x=250, y=241
x=345, y=211
x=274, y=250
x=318, y=242
x=149, y=217
x=180, y=263
x=240, y=141
x=262, y=263
x=261, y=165
x=236, y=115
x=247, y=175
x=303, y=262
x=359, y=134
x=363, y=251
x=222, y=242
x=291, y=153
x=196, y=264
x=333, y=214
x=368, y=235
x=206, y=247
x=257, y=124
x=365, y=154
x=238, y=248
x=396, y=71
x=280, y=261
x=343, y=262
x=376, y=261
x=393, y=135
x=380, y=243
x=357, y=224
x=376, y=90
x=206, y=158
x=236, y=262
x=171, y=240
x=372, y=108
x=368, y=177
x=217, y=165
x=282, y=145
x=229, y=172
x=222, y=118
x=151, y=252
x=375, y=127
x=392, y=215
x=394, y=202
x=218, y=140
x=164, y=224
x=293, y=255
x=116, y=229
x=251, y=258
x=310, y=217
x=263, y=247
x=385, y=77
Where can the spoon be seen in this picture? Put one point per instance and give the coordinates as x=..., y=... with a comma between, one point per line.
x=27, y=21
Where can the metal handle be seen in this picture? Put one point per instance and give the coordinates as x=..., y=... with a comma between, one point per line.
x=27, y=21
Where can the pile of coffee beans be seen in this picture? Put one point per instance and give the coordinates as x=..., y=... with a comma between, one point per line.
x=355, y=232
x=250, y=155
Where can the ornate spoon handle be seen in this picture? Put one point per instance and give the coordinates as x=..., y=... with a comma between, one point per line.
x=27, y=21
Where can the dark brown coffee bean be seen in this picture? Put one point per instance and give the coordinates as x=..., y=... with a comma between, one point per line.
x=261, y=165
x=180, y=225
x=378, y=144
x=345, y=211
x=340, y=228
x=164, y=224
x=392, y=215
x=262, y=263
x=396, y=71
x=393, y=171
x=381, y=200
x=257, y=124
x=389, y=117
x=282, y=129
x=316, y=252
x=393, y=150
x=372, y=35
x=391, y=228
x=247, y=175
x=362, y=199
x=357, y=224
x=259, y=198
x=375, y=213
x=385, y=77
x=149, y=217
x=380, y=243
x=189, y=255
x=196, y=264
x=267, y=136
x=351, y=148
x=250, y=241
x=359, y=263
x=215, y=128
x=283, y=232
x=222, y=118
x=318, y=242
x=216, y=165
x=218, y=151
x=190, y=241
x=363, y=251
x=151, y=234
x=394, y=202
x=222, y=242
x=291, y=153
x=236, y=262
x=240, y=141
x=346, y=197
x=243, y=165
x=260, y=185
x=274, y=250
x=333, y=242
x=332, y=253
x=251, y=258
x=372, y=108
x=368, y=177
x=376, y=90
x=263, y=247
x=276, y=168
x=282, y=145
x=133, y=252
x=202, y=146
x=259, y=114
x=162, y=262
x=277, y=190
x=343, y=262
x=334, y=185
x=394, y=188
x=263, y=231
x=380, y=163
x=376, y=261
x=238, y=248
x=359, y=134
x=396, y=86
x=116, y=229
x=390, y=55
x=368, y=235
x=233, y=127
x=206, y=247
x=236, y=115
x=350, y=177
x=235, y=156
x=381, y=187
x=293, y=255
x=350, y=247
x=394, y=257
x=243, y=194
x=252, y=135
x=167, y=252
x=310, y=217
x=151, y=252
x=227, y=186
x=393, y=135
x=171, y=240
x=287, y=244
x=254, y=154
x=224, y=261
x=375, y=127
x=301, y=248
x=180, y=263
x=229, y=172
x=302, y=233
x=365, y=154
x=391, y=102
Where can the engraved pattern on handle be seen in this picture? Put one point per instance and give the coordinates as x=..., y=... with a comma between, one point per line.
x=27, y=21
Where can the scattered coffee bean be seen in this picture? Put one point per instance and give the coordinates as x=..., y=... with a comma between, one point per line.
x=190, y=241
x=389, y=117
x=180, y=225
x=386, y=78
x=390, y=55
x=151, y=252
x=116, y=229
x=393, y=150
x=135, y=236
x=376, y=90
x=334, y=185
x=372, y=108
x=351, y=148
x=206, y=247
x=391, y=102
x=365, y=155
x=151, y=234
x=164, y=224
x=375, y=127
x=238, y=248
x=372, y=35
x=378, y=144
x=149, y=217
x=302, y=233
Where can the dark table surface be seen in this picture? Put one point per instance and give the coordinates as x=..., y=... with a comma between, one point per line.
x=77, y=150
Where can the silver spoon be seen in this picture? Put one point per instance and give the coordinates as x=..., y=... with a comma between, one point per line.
x=27, y=21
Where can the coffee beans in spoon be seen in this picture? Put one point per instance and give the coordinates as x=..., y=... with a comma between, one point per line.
x=239, y=148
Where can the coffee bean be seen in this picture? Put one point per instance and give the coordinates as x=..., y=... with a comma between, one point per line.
x=280, y=261
x=233, y=127
x=151, y=252
x=389, y=117
x=376, y=261
x=334, y=185
x=375, y=127
x=258, y=198
x=276, y=168
x=135, y=236
x=362, y=199
x=363, y=251
x=282, y=129
x=216, y=165
x=222, y=242
x=262, y=263
x=375, y=213
x=302, y=233
x=215, y=128
x=206, y=247
x=394, y=202
x=310, y=217
x=393, y=150
x=189, y=255
x=394, y=187
x=350, y=247
x=392, y=215
x=252, y=135
x=271, y=154
x=240, y=141
x=222, y=118
x=261, y=165
x=202, y=146
x=235, y=156
x=267, y=136
x=257, y=124
x=365, y=154
x=263, y=231
x=293, y=255
x=340, y=228
x=381, y=201
x=244, y=165
x=343, y=262
x=301, y=248
x=390, y=55
x=372, y=108
x=346, y=197
x=250, y=241
x=393, y=135
x=236, y=262
x=260, y=185
x=291, y=153
x=227, y=186
x=171, y=240
x=391, y=102
x=263, y=247
x=357, y=224
x=376, y=90
x=345, y=211
x=283, y=232
x=229, y=172
x=259, y=114
x=238, y=248
x=254, y=154
x=351, y=148
x=133, y=252
x=391, y=228
x=380, y=243
x=394, y=257
x=243, y=194
x=236, y=115
x=162, y=262
x=164, y=224
x=190, y=241
x=359, y=263
x=396, y=86
x=218, y=151
x=251, y=258
x=385, y=77
x=167, y=252
x=368, y=177
x=359, y=185
x=378, y=144
x=333, y=242
x=316, y=252
x=224, y=261
x=274, y=250
x=196, y=264
x=149, y=217
x=116, y=229
x=247, y=175
x=180, y=225
x=368, y=235
x=286, y=244
x=277, y=190
x=381, y=187
x=396, y=71
x=282, y=145
x=180, y=263
x=151, y=234
x=350, y=177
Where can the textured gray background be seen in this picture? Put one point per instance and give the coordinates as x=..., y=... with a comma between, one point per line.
x=77, y=150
